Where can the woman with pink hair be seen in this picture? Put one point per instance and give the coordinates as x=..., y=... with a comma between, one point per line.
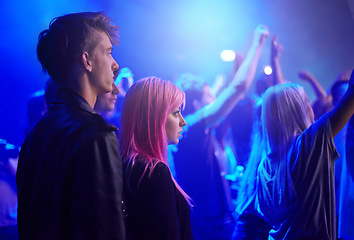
x=157, y=207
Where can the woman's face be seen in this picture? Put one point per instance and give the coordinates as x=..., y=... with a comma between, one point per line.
x=173, y=126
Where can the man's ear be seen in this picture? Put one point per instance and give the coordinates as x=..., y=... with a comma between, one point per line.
x=85, y=58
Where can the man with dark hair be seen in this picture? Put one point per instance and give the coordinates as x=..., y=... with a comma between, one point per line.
x=69, y=176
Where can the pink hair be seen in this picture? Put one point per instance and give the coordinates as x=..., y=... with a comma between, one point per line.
x=146, y=106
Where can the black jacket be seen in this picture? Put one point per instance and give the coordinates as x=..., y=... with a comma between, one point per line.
x=156, y=208
x=69, y=175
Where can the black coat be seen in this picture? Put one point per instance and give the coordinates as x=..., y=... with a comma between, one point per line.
x=69, y=176
x=156, y=208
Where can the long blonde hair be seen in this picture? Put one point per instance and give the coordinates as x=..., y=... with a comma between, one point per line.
x=285, y=115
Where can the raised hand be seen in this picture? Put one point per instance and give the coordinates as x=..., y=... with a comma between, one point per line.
x=277, y=48
x=261, y=33
x=306, y=76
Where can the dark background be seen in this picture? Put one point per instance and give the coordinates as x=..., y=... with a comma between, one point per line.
x=165, y=38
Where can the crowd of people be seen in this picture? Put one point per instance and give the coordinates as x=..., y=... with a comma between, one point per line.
x=110, y=157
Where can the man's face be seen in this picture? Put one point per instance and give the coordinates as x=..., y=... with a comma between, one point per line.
x=106, y=102
x=103, y=64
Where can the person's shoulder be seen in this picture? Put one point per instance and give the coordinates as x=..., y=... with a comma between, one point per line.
x=157, y=170
x=320, y=127
x=316, y=136
x=152, y=174
x=161, y=176
x=159, y=166
x=162, y=169
x=77, y=119
x=77, y=128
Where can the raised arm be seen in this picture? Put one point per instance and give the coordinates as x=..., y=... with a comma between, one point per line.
x=218, y=83
x=344, y=110
x=226, y=81
x=216, y=111
x=276, y=51
x=316, y=86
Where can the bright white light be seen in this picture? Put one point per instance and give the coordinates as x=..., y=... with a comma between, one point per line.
x=228, y=55
x=268, y=70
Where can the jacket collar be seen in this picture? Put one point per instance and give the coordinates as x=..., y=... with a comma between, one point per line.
x=69, y=97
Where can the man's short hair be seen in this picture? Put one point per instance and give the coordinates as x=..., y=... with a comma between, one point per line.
x=68, y=37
